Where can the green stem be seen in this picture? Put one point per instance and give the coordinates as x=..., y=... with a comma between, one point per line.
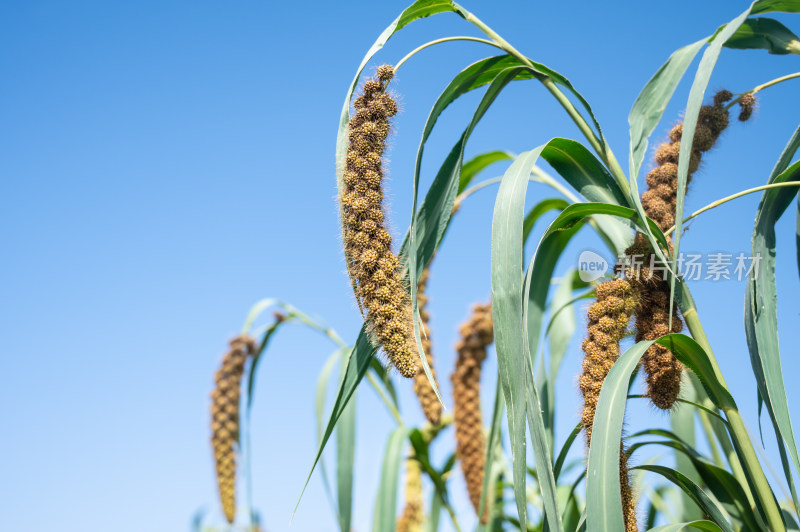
x=738, y=431
x=733, y=197
x=598, y=145
x=385, y=399
x=439, y=41
x=762, y=87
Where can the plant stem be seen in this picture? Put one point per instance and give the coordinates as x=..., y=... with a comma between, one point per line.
x=598, y=145
x=738, y=431
x=733, y=197
x=763, y=86
x=385, y=399
x=439, y=41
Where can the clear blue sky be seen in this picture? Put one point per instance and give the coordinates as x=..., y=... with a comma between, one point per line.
x=165, y=165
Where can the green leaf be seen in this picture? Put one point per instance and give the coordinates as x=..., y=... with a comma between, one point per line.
x=701, y=79
x=358, y=361
x=682, y=421
x=562, y=456
x=797, y=234
x=478, y=164
x=603, y=501
x=507, y=279
x=694, y=491
x=429, y=223
x=422, y=9
x=708, y=526
x=581, y=169
x=559, y=337
x=319, y=411
x=435, y=513
x=767, y=34
x=345, y=459
x=417, y=10
x=761, y=320
x=722, y=484
x=652, y=101
x=765, y=6
x=493, y=447
x=536, y=212
x=383, y=518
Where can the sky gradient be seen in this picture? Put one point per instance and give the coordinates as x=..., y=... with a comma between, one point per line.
x=166, y=165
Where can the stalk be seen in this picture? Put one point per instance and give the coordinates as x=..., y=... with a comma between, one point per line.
x=600, y=147
x=738, y=431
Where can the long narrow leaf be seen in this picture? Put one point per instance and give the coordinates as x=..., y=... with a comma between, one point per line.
x=694, y=491
x=761, y=319
x=507, y=310
x=767, y=34
x=603, y=502
x=345, y=459
x=385, y=513
x=696, y=93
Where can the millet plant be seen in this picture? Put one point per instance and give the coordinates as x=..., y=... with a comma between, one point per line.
x=638, y=319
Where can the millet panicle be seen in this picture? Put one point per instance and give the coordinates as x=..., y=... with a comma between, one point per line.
x=373, y=267
x=225, y=419
x=476, y=335
x=663, y=371
x=608, y=319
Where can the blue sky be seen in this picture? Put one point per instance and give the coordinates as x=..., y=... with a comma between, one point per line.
x=166, y=165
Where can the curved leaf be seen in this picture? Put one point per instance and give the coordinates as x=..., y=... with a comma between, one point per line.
x=345, y=460
x=694, y=491
x=720, y=482
x=765, y=6
x=767, y=34
x=699, y=85
x=479, y=163
x=761, y=319
x=430, y=222
x=707, y=526
x=383, y=519
x=652, y=101
x=536, y=212
x=507, y=316
x=581, y=169
x=603, y=501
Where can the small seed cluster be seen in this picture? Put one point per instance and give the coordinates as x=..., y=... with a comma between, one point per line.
x=225, y=419
x=609, y=316
x=412, y=518
x=476, y=335
x=662, y=369
x=431, y=406
x=373, y=267
x=746, y=105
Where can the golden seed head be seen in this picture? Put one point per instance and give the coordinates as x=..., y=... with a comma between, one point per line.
x=476, y=335
x=225, y=419
x=385, y=73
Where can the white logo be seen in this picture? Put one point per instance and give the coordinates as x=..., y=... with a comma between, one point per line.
x=591, y=266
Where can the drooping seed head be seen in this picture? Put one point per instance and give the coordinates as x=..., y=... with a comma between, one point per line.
x=746, y=105
x=476, y=335
x=225, y=420
x=373, y=267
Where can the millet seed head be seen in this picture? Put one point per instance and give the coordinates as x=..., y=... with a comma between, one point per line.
x=372, y=266
x=476, y=335
x=653, y=313
x=225, y=419
x=746, y=105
